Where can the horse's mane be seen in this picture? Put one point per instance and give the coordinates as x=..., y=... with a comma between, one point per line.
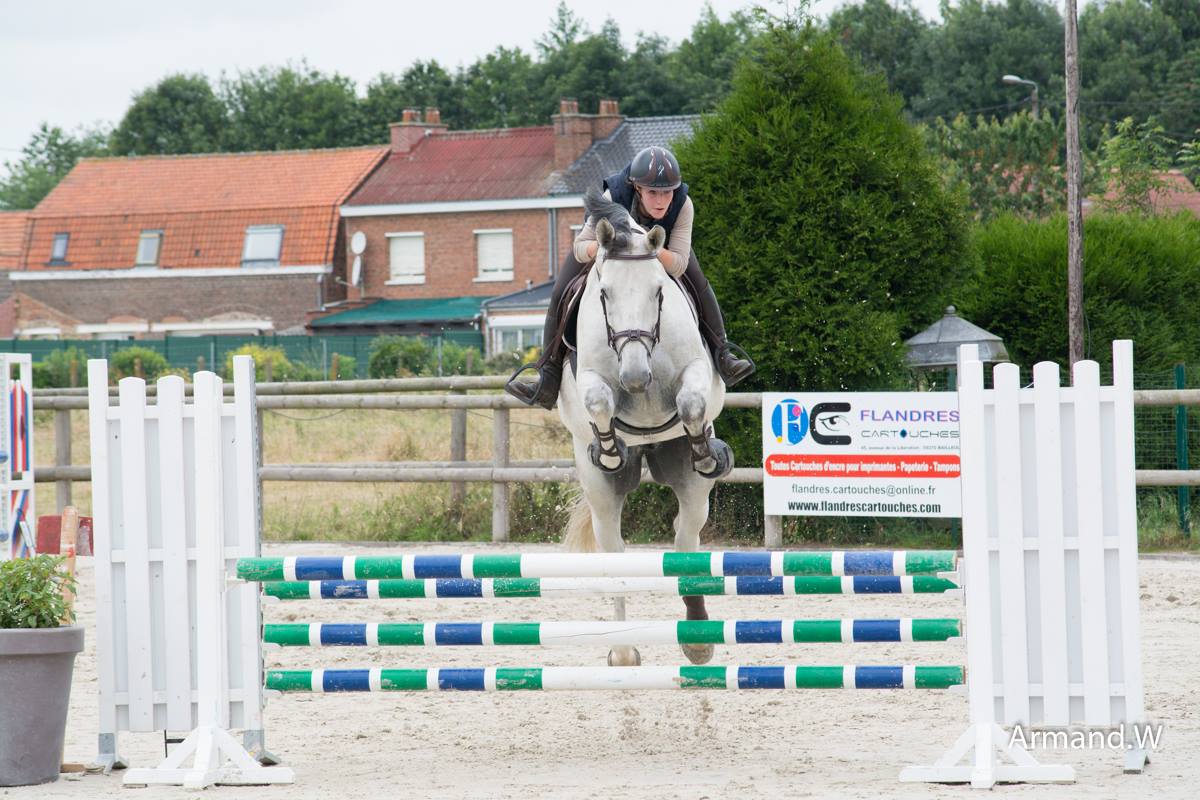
x=599, y=207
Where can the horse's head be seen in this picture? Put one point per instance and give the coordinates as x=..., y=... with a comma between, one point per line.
x=630, y=279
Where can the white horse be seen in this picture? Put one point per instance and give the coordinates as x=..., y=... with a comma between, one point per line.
x=642, y=385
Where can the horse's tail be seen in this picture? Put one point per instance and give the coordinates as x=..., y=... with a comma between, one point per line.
x=579, y=536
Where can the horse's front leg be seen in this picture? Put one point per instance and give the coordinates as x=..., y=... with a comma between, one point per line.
x=607, y=451
x=711, y=457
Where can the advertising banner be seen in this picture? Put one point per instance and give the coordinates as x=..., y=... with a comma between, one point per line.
x=861, y=454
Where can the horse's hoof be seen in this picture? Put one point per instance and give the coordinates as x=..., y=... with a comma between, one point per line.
x=595, y=455
x=626, y=657
x=723, y=455
x=698, y=653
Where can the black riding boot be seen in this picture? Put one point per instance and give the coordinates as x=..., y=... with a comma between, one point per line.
x=544, y=390
x=733, y=364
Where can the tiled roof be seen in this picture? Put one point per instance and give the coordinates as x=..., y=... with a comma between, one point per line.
x=1176, y=194
x=202, y=204
x=211, y=182
x=195, y=239
x=464, y=165
x=12, y=237
x=534, y=296
x=612, y=153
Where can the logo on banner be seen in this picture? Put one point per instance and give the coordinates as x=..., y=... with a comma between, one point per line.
x=789, y=422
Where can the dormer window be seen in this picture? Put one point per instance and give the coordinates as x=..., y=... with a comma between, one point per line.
x=58, y=252
x=149, y=244
x=263, y=245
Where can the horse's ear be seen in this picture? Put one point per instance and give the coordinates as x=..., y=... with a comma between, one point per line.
x=605, y=233
x=656, y=238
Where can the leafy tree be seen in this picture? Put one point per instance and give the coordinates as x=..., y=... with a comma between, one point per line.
x=651, y=88
x=821, y=220
x=424, y=84
x=1129, y=48
x=981, y=41
x=499, y=90
x=180, y=114
x=291, y=108
x=49, y=156
x=702, y=66
x=893, y=39
x=1189, y=159
x=589, y=69
x=1012, y=165
x=1132, y=162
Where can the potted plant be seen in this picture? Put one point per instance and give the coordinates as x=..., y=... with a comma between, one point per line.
x=38, y=645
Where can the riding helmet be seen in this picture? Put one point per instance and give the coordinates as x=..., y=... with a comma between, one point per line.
x=654, y=168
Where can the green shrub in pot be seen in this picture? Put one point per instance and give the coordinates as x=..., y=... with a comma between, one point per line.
x=37, y=658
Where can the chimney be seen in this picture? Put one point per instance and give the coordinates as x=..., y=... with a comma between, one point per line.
x=575, y=132
x=607, y=119
x=410, y=130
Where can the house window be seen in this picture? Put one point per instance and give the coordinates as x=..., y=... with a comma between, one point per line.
x=507, y=340
x=263, y=243
x=406, y=252
x=494, y=254
x=58, y=253
x=148, y=246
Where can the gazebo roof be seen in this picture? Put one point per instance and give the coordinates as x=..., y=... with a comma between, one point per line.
x=936, y=347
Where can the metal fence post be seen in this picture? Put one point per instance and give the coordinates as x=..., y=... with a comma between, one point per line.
x=499, y=488
x=62, y=456
x=1181, y=452
x=458, y=450
x=772, y=531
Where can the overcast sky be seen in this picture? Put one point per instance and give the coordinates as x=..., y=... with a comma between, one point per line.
x=78, y=62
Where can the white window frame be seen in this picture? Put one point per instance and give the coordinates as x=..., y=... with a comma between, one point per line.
x=251, y=230
x=55, y=256
x=149, y=235
x=494, y=275
x=402, y=279
x=515, y=322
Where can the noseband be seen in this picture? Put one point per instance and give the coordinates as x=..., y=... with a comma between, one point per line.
x=618, y=339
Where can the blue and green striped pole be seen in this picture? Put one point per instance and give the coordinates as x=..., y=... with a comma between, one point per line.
x=437, y=588
x=599, y=565
x=610, y=634
x=492, y=679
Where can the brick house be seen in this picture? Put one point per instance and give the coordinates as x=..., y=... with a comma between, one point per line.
x=201, y=244
x=12, y=240
x=459, y=225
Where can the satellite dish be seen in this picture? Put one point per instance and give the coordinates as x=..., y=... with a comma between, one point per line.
x=358, y=243
x=356, y=270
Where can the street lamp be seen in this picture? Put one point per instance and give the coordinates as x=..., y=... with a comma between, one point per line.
x=1013, y=80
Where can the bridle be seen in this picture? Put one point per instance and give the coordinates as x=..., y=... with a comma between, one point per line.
x=617, y=340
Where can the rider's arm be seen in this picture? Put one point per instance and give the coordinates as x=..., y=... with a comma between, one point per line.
x=675, y=256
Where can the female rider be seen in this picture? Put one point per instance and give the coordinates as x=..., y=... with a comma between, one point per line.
x=651, y=189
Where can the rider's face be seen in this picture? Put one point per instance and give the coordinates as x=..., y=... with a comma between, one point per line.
x=656, y=201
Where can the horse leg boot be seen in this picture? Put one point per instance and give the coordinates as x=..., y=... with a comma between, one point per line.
x=607, y=451
x=544, y=391
x=711, y=457
x=731, y=365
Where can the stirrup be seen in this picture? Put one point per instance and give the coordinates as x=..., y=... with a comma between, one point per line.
x=728, y=347
x=531, y=394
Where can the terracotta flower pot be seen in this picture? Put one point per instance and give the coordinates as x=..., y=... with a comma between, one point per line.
x=35, y=692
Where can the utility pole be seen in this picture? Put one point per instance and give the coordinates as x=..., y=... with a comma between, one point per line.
x=1074, y=201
